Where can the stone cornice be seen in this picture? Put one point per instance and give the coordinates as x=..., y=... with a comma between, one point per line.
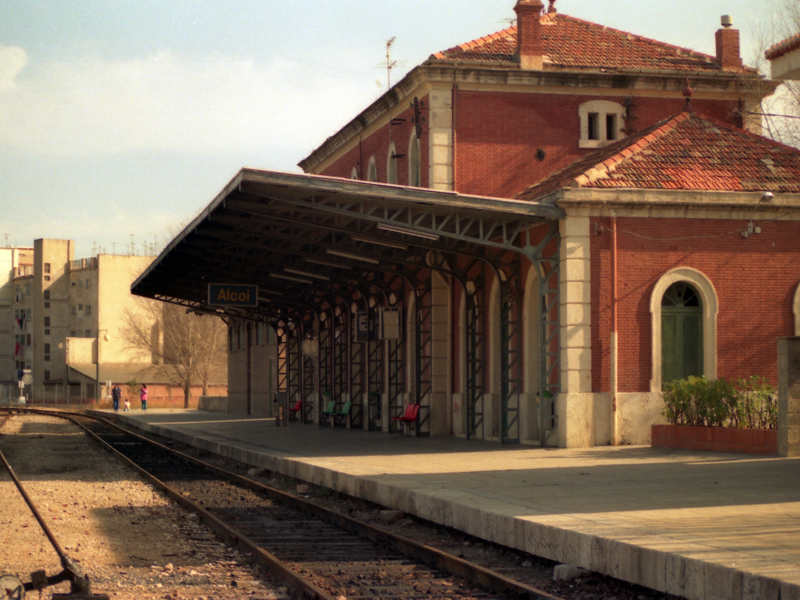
x=675, y=203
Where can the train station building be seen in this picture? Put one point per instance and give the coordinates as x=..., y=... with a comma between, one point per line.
x=525, y=237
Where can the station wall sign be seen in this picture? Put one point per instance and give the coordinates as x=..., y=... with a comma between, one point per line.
x=225, y=294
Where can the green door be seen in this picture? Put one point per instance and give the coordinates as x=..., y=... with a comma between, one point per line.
x=681, y=333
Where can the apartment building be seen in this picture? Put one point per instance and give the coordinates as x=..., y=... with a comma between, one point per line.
x=62, y=320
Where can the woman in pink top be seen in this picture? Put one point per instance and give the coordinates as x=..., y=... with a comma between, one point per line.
x=143, y=396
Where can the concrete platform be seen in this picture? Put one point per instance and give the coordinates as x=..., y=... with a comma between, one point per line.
x=704, y=526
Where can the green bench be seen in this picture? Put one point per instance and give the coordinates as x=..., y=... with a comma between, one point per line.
x=343, y=414
x=334, y=415
x=330, y=410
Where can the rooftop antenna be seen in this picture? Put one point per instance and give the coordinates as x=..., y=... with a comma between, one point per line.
x=390, y=64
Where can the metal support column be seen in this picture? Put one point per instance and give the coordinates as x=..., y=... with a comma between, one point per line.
x=549, y=344
x=283, y=364
x=395, y=388
x=309, y=387
x=511, y=354
x=325, y=361
x=356, y=379
x=424, y=354
x=294, y=381
x=475, y=351
x=374, y=375
x=340, y=357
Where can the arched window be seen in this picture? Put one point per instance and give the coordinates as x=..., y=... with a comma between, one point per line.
x=796, y=309
x=354, y=173
x=414, y=165
x=681, y=333
x=683, y=307
x=372, y=170
x=391, y=165
x=601, y=123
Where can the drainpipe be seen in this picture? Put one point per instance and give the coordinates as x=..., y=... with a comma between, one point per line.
x=614, y=369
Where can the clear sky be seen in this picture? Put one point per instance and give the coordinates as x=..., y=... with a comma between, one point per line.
x=120, y=120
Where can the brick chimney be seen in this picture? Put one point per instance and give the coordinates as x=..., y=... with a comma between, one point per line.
x=728, y=55
x=530, y=49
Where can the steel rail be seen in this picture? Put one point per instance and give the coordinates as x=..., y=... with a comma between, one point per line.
x=79, y=583
x=428, y=555
x=263, y=557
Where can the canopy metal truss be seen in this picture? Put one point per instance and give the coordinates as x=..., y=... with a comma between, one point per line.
x=321, y=249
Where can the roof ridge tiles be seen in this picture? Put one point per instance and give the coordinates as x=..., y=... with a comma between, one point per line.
x=577, y=43
x=634, y=35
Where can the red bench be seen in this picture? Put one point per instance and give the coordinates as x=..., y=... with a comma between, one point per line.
x=295, y=410
x=409, y=417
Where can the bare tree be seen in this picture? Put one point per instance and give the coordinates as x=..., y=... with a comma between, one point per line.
x=191, y=348
x=781, y=111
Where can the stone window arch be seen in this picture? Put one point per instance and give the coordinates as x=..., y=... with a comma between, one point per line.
x=796, y=310
x=414, y=162
x=354, y=173
x=709, y=305
x=391, y=164
x=602, y=123
x=372, y=169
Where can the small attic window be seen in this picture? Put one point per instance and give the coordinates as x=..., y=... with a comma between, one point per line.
x=601, y=123
x=594, y=126
x=612, y=129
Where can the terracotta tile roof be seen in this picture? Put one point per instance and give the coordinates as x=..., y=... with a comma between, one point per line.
x=783, y=47
x=685, y=152
x=573, y=43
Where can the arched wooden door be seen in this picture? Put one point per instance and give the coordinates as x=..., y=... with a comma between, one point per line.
x=681, y=333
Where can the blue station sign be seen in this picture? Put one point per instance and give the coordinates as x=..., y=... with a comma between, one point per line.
x=225, y=294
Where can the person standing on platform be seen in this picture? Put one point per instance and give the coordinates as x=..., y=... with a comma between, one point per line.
x=143, y=396
x=115, y=396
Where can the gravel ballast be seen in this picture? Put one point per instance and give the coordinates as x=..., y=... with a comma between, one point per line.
x=130, y=540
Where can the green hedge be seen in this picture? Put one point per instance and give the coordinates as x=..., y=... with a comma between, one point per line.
x=747, y=403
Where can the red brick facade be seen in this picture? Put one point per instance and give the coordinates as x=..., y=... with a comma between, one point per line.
x=498, y=135
x=754, y=279
x=377, y=146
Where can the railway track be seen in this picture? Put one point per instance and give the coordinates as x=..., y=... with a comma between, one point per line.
x=320, y=553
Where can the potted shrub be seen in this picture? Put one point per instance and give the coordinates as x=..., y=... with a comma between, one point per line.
x=719, y=415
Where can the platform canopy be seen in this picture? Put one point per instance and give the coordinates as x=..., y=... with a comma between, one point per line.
x=304, y=238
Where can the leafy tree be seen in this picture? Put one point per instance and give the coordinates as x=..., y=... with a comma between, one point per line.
x=190, y=348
